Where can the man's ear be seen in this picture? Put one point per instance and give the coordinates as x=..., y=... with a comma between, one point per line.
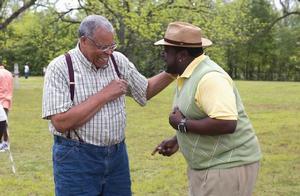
x=83, y=40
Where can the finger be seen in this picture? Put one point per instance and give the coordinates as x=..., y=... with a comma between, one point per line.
x=158, y=148
x=171, y=113
x=123, y=81
x=124, y=85
x=154, y=152
x=175, y=109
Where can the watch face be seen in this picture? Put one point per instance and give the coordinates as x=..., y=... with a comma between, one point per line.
x=181, y=127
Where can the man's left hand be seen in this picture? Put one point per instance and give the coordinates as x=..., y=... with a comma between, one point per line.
x=175, y=117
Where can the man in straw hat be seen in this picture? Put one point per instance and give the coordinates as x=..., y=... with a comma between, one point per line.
x=213, y=130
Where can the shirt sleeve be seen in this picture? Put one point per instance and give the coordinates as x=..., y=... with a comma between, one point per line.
x=216, y=97
x=137, y=83
x=6, y=89
x=56, y=93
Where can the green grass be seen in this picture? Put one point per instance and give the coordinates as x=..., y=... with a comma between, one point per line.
x=272, y=106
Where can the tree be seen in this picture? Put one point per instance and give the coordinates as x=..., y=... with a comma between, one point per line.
x=34, y=42
x=140, y=23
x=253, y=39
x=10, y=10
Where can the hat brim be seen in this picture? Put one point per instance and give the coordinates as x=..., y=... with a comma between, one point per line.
x=205, y=43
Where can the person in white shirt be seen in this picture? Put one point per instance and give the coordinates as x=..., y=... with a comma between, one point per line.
x=26, y=70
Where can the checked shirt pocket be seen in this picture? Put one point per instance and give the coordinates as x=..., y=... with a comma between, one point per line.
x=62, y=152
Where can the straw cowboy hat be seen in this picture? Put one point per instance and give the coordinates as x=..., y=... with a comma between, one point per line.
x=183, y=34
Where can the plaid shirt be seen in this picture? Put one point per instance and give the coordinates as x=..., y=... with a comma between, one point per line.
x=107, y=127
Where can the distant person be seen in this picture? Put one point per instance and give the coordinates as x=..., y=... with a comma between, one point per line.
x=44, y=70
x=16, y=76
x=89, y=150
x=26, y=70
x=16, y=70
x=6, y=93
x=212, y=128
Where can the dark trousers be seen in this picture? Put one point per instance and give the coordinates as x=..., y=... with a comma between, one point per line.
x=3, y=128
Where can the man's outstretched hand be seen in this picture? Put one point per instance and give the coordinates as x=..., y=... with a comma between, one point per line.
x=167, y=147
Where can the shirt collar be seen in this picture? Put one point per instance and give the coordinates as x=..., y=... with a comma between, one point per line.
x=82, y=58
x=191, y=67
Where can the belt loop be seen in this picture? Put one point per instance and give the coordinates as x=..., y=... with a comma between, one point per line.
x=118, y=146
x=121, y=143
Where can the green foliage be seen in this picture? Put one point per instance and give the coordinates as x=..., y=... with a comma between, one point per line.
x=286, y=52
x=275, y=118
x=37, y=38
x=247, y=42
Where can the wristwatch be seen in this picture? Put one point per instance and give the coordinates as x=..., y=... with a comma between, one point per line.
x=182, y=125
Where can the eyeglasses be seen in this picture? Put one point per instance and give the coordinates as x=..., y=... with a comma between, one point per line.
x=104, y=48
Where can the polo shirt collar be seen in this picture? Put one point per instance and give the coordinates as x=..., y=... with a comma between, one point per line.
x=191, y=67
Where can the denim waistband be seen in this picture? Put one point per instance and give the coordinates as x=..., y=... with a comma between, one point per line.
x=71, y=142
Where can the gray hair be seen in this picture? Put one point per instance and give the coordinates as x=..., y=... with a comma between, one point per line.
x=92, y=22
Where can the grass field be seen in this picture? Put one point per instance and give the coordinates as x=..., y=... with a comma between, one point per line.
x=272, y=106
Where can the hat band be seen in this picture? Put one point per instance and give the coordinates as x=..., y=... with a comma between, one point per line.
x=181, y=43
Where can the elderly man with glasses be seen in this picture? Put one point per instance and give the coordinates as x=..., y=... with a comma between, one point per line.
x=88, y=122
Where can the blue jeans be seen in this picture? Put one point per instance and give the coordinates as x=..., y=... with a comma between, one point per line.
x=85, y=169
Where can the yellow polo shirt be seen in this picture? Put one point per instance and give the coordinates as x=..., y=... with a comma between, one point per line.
x=214, y=94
